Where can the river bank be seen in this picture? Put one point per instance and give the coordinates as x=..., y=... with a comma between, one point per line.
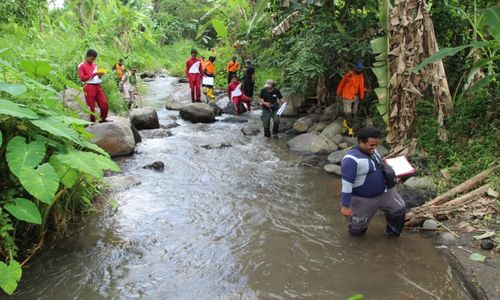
x=244, y=220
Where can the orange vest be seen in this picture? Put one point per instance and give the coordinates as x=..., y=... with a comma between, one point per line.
x=232, y=66
x=351, y=85
x=210, y=68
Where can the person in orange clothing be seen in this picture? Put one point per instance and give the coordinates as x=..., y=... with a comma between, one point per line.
x=208, y=79
x=232, y=68
x=119, y=69
x=235, y=94
x=194, y=74
x=351, y=90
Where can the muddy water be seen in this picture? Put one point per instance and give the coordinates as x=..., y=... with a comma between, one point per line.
x=238, y=222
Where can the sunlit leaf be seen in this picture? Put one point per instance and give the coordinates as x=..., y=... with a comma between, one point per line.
x=24, y=210
x=80, y=161
x=219, y=27
x=484, y=235
x=57, y=127
x=42, y=182
x=67, y=175
x=13, y=89
x=11, y=274
x=379, y=45
x=36, y=67
x=10, y=108
x=493, y=19
x=21, y=155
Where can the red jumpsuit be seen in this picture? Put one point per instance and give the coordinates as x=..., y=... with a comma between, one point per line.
x=93, y=90
x=194, y=73
x=235, y=93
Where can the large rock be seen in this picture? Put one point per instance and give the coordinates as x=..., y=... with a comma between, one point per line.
x=127, y=122
x=336, y=157
x=174, y=104
x=337, y=139
x=144, y=118
x=252, y=128
x=294, y=101
x=319, y=127
x=333, y=169
x=115, y=137
x=217, y=110
x=302, y=124
x=73, y=99
x=198, y=113
x=330, y=113
x=424, y=183
x=310, y=143
x=332, y=130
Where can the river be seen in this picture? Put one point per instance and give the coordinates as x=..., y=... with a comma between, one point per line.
x=242, y=221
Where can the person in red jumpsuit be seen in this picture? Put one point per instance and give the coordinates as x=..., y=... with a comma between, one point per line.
x=194, y=74
x=235, y=94
x=91, y=78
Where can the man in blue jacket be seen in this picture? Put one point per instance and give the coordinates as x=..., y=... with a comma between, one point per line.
x=364, y=189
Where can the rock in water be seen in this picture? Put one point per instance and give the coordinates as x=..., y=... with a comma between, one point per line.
x=157, y=165
x=173, y=105
x=217, y=109
x=198, y=113
x=144, y=118
x=333, y=169
x=115, y=137
x=252, y=128
x=302, y=124
x=310, y=143
x=120, y=183
x=332, y=130
x=336, y=157
x=487, y=245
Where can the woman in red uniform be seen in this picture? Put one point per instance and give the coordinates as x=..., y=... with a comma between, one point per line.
x=91, y=78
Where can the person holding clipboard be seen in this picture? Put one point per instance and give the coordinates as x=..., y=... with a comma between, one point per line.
x=270, y=99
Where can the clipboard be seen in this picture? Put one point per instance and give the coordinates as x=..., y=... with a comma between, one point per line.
x=281, y=109
x=401, y=166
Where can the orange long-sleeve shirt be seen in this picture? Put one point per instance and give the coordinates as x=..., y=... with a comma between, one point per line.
x=352, y=85
x=232, y=66
x=210, y=68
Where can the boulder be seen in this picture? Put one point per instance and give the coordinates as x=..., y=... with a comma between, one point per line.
x=333, y=169
x=147, y=75
x=337, y=139
x=155, y=133
x=126, y=121
x=336, y=157
x=120, y=182
x=144, y=118
x=330, y=113
x=252, y=128
x=157, y=165
x=447, y=238
x=235, y=119
x=285, y=127
x=174, y=105
x=343, y=145
x=198, y=113
x=332, y=130
x=115, y=137
x=217, y=110
x=294, y=101
x=318, y=127
x=170, y=125
x=309, y=143
x=290, y=111
x=302, y=124
x=424, y=183
x=73, y=99
x=351, y=141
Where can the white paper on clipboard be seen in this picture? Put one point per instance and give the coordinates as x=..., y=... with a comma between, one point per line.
x=400, y=165
x=208, y=80
x=281, y=109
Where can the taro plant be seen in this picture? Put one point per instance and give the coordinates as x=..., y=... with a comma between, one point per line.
x=46, y=164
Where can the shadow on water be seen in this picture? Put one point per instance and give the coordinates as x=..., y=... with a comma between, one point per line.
x=238, y=222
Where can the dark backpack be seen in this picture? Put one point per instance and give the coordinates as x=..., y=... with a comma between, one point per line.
x=389, y=174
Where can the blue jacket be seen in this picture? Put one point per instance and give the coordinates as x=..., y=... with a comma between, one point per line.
x=360, y=176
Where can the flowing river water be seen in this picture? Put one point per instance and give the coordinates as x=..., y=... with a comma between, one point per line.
x=244, y=221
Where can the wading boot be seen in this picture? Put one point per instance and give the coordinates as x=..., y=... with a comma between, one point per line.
x=267, y=132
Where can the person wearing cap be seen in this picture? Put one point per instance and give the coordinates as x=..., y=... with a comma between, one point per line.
x=249, y=79
x=270, y=99
x=194, y=75
x=209, y=72
x=235, y=94
x=351, y=90
x=232, y=68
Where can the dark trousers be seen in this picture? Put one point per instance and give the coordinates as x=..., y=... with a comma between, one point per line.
x=267, y=116
x=248, y=87
x=363, y=210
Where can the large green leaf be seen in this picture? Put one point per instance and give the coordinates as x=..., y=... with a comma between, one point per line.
x=104, y=163
x=13, y=89
x=11, y=274
x=55, y=126
x=81, y=161
x=21, y=155
x=379, y=45
x=381, y=72
x=445, y=52
x=10, y=108
x=219, y=27
x=42, y=182
x=37, y=68
x=67, y=175
x=24, y=210
x=493, y=19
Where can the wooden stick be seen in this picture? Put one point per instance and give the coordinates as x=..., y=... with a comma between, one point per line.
x=464, y=187
x=469, y=196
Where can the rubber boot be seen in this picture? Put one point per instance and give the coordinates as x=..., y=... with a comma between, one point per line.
x=276, y=127
x=395, y=225
x=267, y=132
